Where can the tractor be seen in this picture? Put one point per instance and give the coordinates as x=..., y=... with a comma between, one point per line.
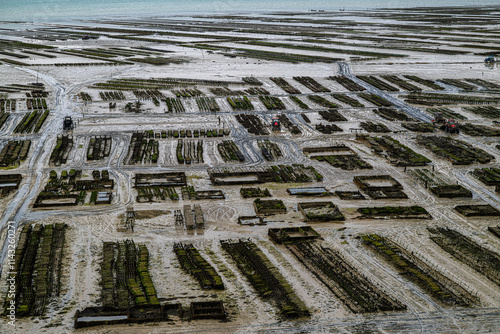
x=491, y=59
x=275, y=124
x=447, y=125
x=68, y=123
x=451, y=126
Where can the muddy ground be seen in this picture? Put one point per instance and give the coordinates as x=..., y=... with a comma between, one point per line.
x=91, y=225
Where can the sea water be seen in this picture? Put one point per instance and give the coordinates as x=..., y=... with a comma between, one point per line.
x=67, y=10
